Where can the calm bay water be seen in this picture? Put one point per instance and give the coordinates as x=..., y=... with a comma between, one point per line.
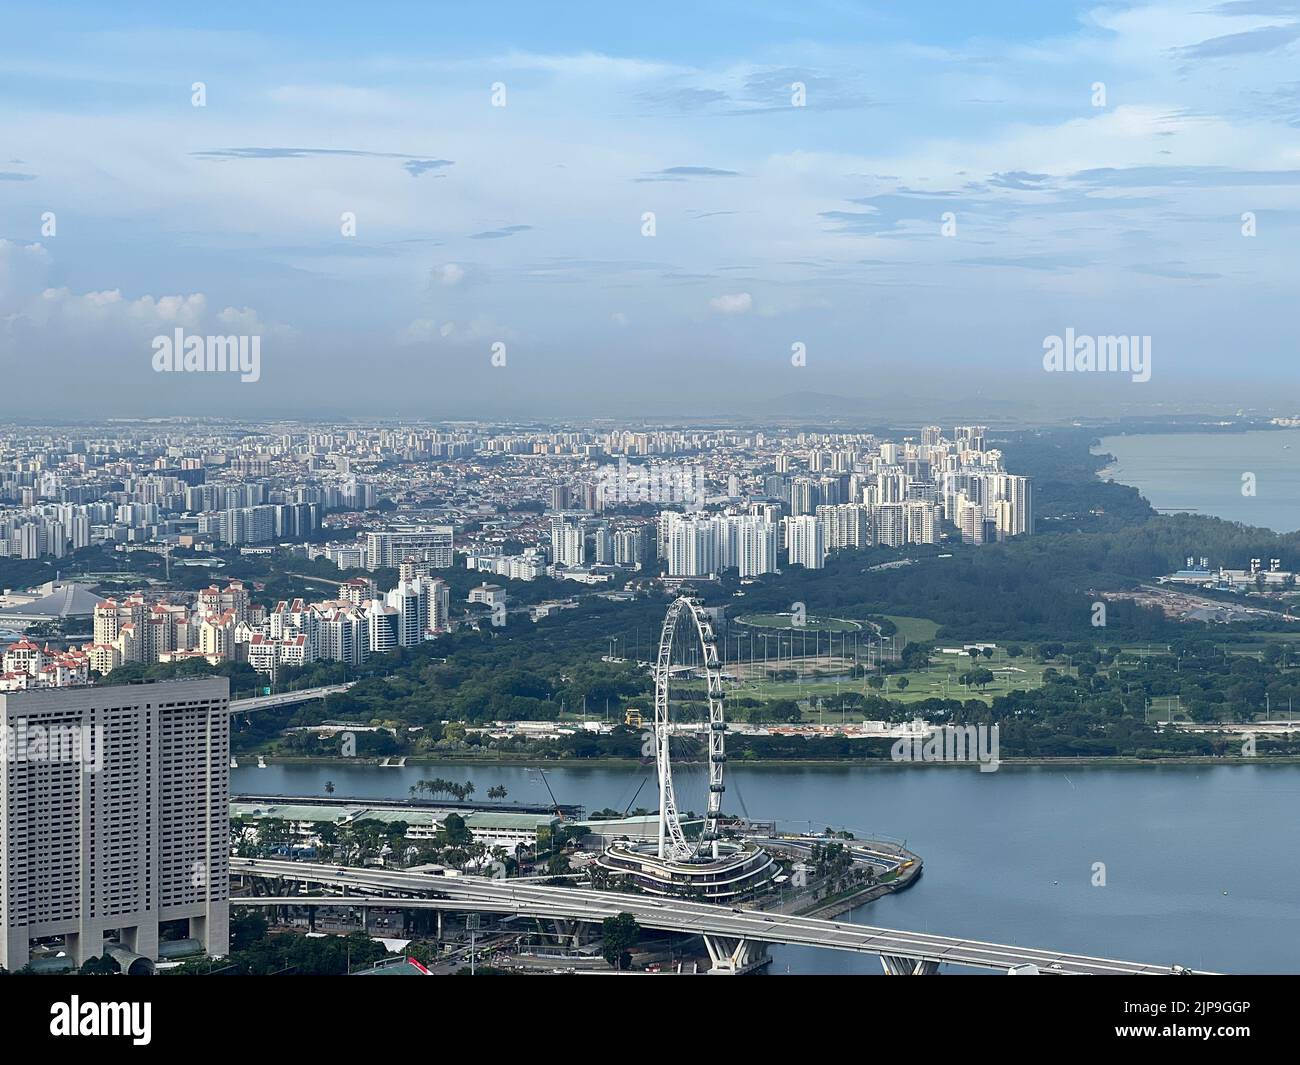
x=1202, y=863
x=1202, y=472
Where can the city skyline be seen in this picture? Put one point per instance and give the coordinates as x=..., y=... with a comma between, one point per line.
x=855, y=210
x=534, y=489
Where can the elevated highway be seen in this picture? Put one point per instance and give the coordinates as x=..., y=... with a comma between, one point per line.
x=303, y=695
x=735, y=937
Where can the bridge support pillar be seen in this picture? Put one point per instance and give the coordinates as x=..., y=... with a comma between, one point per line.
x=734, y=957
x=571, y=933
x=896, y=966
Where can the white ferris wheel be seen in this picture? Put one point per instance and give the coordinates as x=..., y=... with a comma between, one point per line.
x=688, y=615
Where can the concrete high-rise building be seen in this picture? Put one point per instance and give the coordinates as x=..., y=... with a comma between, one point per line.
x=692, y=546
x=1017, y=491
x=969, y=518
x=806, y=542
x=922, y=520
x=248, y=525
x=439, y=605
x=602, y=541
x=891, y=485
x=429, y=543
x=384, y=624
x=970, y=437
x=121, y=823
x=845, y=525
x=756, y=546
x=345, y=636
x=805, y=495
x=568, y=544
x=891, y=525
x=629, y=548
x=411, y=601
x=233, y=599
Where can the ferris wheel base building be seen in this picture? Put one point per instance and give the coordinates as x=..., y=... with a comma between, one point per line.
x=738, y=870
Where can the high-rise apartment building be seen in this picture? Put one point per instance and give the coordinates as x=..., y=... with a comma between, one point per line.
x=922, y=521
x=692, y=546
x=629, y=547
x=568, y=544
x=845, y=525
x=411, y=601
x=1017, y=492
x=756, y=546
x=430, y=543
x=891, y=525
x=118, y=820
x=806, y=542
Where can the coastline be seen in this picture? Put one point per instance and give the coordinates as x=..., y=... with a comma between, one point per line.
x=1161, y=476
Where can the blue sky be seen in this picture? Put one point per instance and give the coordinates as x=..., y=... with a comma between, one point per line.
x=774, y=224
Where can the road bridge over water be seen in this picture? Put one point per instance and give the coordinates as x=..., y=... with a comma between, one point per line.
x=736, y=938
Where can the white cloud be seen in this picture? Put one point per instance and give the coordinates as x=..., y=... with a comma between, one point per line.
x=105, y=320
x=735, y=303
x=110, y=310
x=23, y=268
x=420, y=331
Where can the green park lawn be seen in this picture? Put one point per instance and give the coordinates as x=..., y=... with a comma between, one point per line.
x=937, y=682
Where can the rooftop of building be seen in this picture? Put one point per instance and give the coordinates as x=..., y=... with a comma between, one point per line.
x=66, y=600
x=481, y=820
x=395, y=967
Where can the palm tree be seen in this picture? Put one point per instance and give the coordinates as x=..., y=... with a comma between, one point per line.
x=329, y=787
